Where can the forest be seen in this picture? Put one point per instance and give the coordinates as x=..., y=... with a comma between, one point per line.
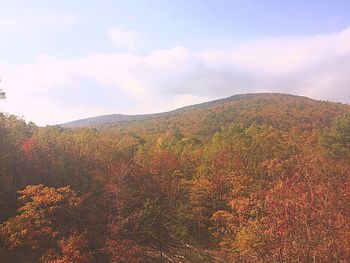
x=251, y=178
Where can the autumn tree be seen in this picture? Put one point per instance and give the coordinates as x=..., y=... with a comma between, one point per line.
x=13, y=170
x=47, y=218
x=306, y=212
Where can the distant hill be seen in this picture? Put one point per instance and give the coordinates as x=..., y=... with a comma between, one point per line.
x=102, y=120
x=281, y=111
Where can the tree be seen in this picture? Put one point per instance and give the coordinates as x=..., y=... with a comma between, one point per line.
x=47, y=218
x=124, y=251
x=337, y=141
x=2, y=94
x=308, y=213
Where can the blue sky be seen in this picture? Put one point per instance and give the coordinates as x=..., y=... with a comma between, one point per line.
x=78, y=59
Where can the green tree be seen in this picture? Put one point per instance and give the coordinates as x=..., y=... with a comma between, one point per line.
x=337, y=141
x=2, y=94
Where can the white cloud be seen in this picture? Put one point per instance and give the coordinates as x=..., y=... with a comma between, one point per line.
x=315, y=66
x=125, y=38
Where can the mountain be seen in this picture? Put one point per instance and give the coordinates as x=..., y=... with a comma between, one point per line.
x=181, y=186
x=102, y=120
x=282, y=111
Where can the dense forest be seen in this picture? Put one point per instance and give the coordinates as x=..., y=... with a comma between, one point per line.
x=250, y=178
x=278, y=110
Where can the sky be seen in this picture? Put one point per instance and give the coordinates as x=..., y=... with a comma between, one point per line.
x=66, y=60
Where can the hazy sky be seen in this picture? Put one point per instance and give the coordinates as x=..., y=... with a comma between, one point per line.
x=65, y=60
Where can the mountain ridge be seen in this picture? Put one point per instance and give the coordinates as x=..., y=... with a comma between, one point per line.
x=275, y=109
x=126, y=117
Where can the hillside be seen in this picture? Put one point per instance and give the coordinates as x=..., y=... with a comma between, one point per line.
x=281, y=111
x=164, y=188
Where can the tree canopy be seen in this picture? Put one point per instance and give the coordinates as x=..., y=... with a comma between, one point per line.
x=2, y=94
x=249, y=192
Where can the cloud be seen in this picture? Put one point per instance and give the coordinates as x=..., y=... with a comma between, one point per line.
x=125, y=38
x=53, y=90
